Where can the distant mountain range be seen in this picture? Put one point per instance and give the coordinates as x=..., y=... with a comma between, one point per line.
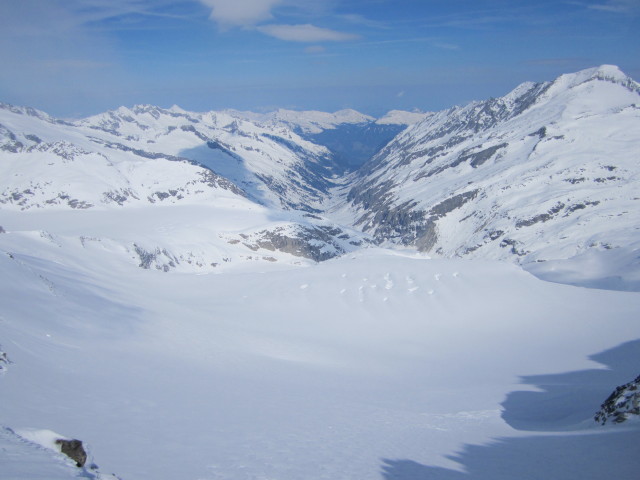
x=546, y=176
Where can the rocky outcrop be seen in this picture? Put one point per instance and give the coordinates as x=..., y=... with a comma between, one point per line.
x=315, y=242
x=74, y=450
x=622, y=404
x=4, y=361
x=406, y=224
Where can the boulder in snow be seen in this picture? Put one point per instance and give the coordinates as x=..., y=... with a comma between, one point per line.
x=621, y=404
x=73, y=449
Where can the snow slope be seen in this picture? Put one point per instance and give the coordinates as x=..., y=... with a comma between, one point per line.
x=546, y=173
x=273, y=166
x=351, y=137
x=401, y=117
x=161, y=297
x=305, y=122
x=146, y=189
x=358, y=367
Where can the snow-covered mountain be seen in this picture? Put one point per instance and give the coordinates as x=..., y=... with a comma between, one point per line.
x=544, y=174
x=306, y=121
x=352, y=138
x=164, y=294
x=273, y=165
x=401, y=117
x=547, y=172
x=117, y=165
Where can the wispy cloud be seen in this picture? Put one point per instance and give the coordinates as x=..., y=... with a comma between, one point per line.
x=446, y=46
x=362, y=20
x=470, y=21
x=617, y=6
x=305, y=33
x=240, y=13
x=263, y=16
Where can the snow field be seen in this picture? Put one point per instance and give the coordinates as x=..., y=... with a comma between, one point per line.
x=378, y=364
x=247, y=375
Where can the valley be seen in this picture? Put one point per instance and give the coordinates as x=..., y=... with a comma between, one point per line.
x=233, y=295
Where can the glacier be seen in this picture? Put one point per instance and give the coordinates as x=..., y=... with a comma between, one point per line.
x=213, y=295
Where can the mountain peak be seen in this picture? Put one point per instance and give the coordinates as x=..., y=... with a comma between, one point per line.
x=401, y=117
x=177, y=109
x=349, y=115
x=611, y=71
x=607, y=73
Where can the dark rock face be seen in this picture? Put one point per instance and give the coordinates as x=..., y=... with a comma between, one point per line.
x=621, y=404
x=404, y=223
x=318, y=243
x=74, y=450
x=155, y=258
x=4, y=361
x=543, y=217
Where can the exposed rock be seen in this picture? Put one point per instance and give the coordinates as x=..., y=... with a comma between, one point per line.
x=540, y=133
x=119, y=196
x=4, y=361
x=33, y=138
x=543, y=217
x=404, y=223
x=310, y=242
x=160, y=258
x=452, y=203
x=74, y=450
x=509, y=242
x=621, y=404
x=580, y=206
x=478, y=158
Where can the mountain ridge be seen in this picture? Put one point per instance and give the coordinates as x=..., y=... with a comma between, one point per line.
x=543, y=174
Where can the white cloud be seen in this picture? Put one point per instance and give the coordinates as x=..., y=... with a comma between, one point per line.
x=305, y=33
x=240, y=13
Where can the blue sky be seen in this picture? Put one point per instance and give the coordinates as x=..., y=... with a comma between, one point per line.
x=73, y=58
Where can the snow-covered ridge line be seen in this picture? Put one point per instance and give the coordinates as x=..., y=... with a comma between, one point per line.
x=256, y=358
x=544, y=173
x=547, y=172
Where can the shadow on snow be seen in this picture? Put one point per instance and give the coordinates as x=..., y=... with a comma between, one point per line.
x=565, y=405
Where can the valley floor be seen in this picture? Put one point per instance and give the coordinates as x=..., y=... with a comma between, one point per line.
x=378, y=364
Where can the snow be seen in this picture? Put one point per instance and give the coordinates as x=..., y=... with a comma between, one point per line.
x=317, y=372
x=308, y=121
x=44, y=438
x=561, y=180
x=400, y=117
x=31, y=454
x=175, y=347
